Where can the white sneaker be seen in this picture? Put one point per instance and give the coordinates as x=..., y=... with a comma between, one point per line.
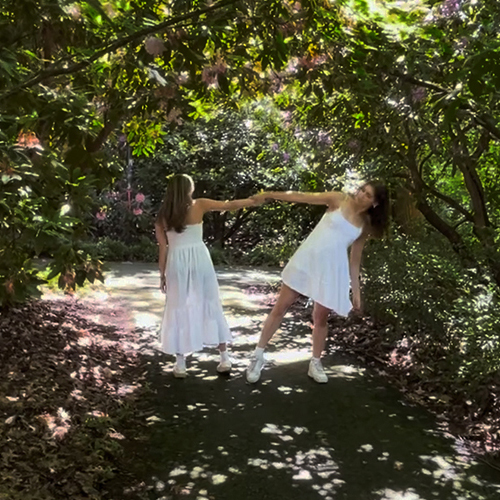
x=254, y=368
x=316, y=371
x=224, y=366
x=179, y=371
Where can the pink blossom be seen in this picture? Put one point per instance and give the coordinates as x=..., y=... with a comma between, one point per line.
x=175, y=116
x=137, y=211
x=292, y=66
x=324, y=138
x=100, y=215
x=154, y=46
x=275, y=147
x=182, y=78
x=98, y=414
x=60, y=431
x=353, y=145
x=418, y=94
x=49, y=420
x=139, y=198
x=74, y=11
x=209, y=76
x=286, y=115
x=28, y=140
x=450, y=7
x=210, y=73
x=286, y=156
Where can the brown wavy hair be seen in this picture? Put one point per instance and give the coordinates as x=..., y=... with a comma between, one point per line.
x=173, y=211
x=379, y=214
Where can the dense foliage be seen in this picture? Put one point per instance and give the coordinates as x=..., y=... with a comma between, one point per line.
x=230, y=155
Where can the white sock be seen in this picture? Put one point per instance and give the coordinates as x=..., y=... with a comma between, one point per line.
x=259, y=352
x=224, y=356
x=316, y=360
x=180, y=361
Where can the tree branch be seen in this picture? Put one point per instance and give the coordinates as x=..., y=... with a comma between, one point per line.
x=77, y=66
x=450, y=233
x=422, y=163
x=450, y=201
x=483, y=120
x=420, y=83
x=467, y=165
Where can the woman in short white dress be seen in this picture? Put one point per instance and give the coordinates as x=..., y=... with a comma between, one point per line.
x=193, y=315
x=321, y=268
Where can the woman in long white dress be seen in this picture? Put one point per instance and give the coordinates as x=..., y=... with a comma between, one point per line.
x=321, y=268
x=193, y=315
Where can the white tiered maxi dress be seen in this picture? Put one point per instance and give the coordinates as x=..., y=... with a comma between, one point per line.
x=193, y=315
x=319, y=269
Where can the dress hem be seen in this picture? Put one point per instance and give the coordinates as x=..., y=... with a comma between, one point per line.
x=310, y=296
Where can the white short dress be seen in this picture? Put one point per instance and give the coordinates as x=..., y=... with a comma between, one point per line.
x=319, y=269
x=193, y=315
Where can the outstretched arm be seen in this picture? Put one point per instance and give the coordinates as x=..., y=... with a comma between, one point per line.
x=354, y=268
x=208, y=205
x=163, y=251
x=330, y=198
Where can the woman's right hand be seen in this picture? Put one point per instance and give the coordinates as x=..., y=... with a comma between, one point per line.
x=163, y=284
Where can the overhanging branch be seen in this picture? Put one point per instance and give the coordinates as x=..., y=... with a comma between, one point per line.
x=55, y=70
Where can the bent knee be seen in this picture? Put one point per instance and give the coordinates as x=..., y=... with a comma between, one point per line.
x=320, y=318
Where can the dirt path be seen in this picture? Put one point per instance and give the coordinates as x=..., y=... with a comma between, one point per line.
x=213, y=437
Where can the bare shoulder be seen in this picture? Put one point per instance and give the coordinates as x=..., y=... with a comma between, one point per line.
x=160, y=224
x=202, y=204
x=337, y=199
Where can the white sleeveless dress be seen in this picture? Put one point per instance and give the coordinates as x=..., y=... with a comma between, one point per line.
x=319, y=269
x=193, y=315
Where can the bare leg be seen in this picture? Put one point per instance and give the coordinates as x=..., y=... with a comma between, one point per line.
x=320, y=329
x=286, y=298
x=222, y=347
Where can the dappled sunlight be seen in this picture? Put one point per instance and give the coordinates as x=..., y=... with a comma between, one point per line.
x=234, y=298
x=456, y=472
x=209, y=435
x=348, y=372
x=388, y=494
x=314, y=467
x=292, y=356
x=146, y=320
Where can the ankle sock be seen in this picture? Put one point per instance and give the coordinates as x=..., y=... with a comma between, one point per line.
x=180, y=361
x=259, y=352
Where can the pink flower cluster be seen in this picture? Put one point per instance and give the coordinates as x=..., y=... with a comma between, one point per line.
x=418, y=94
x=154, y=46
x=58, y=425
x=29, y=140
x=139, y=198
x=324, y=138
x=450, y=7
x=210, y=74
